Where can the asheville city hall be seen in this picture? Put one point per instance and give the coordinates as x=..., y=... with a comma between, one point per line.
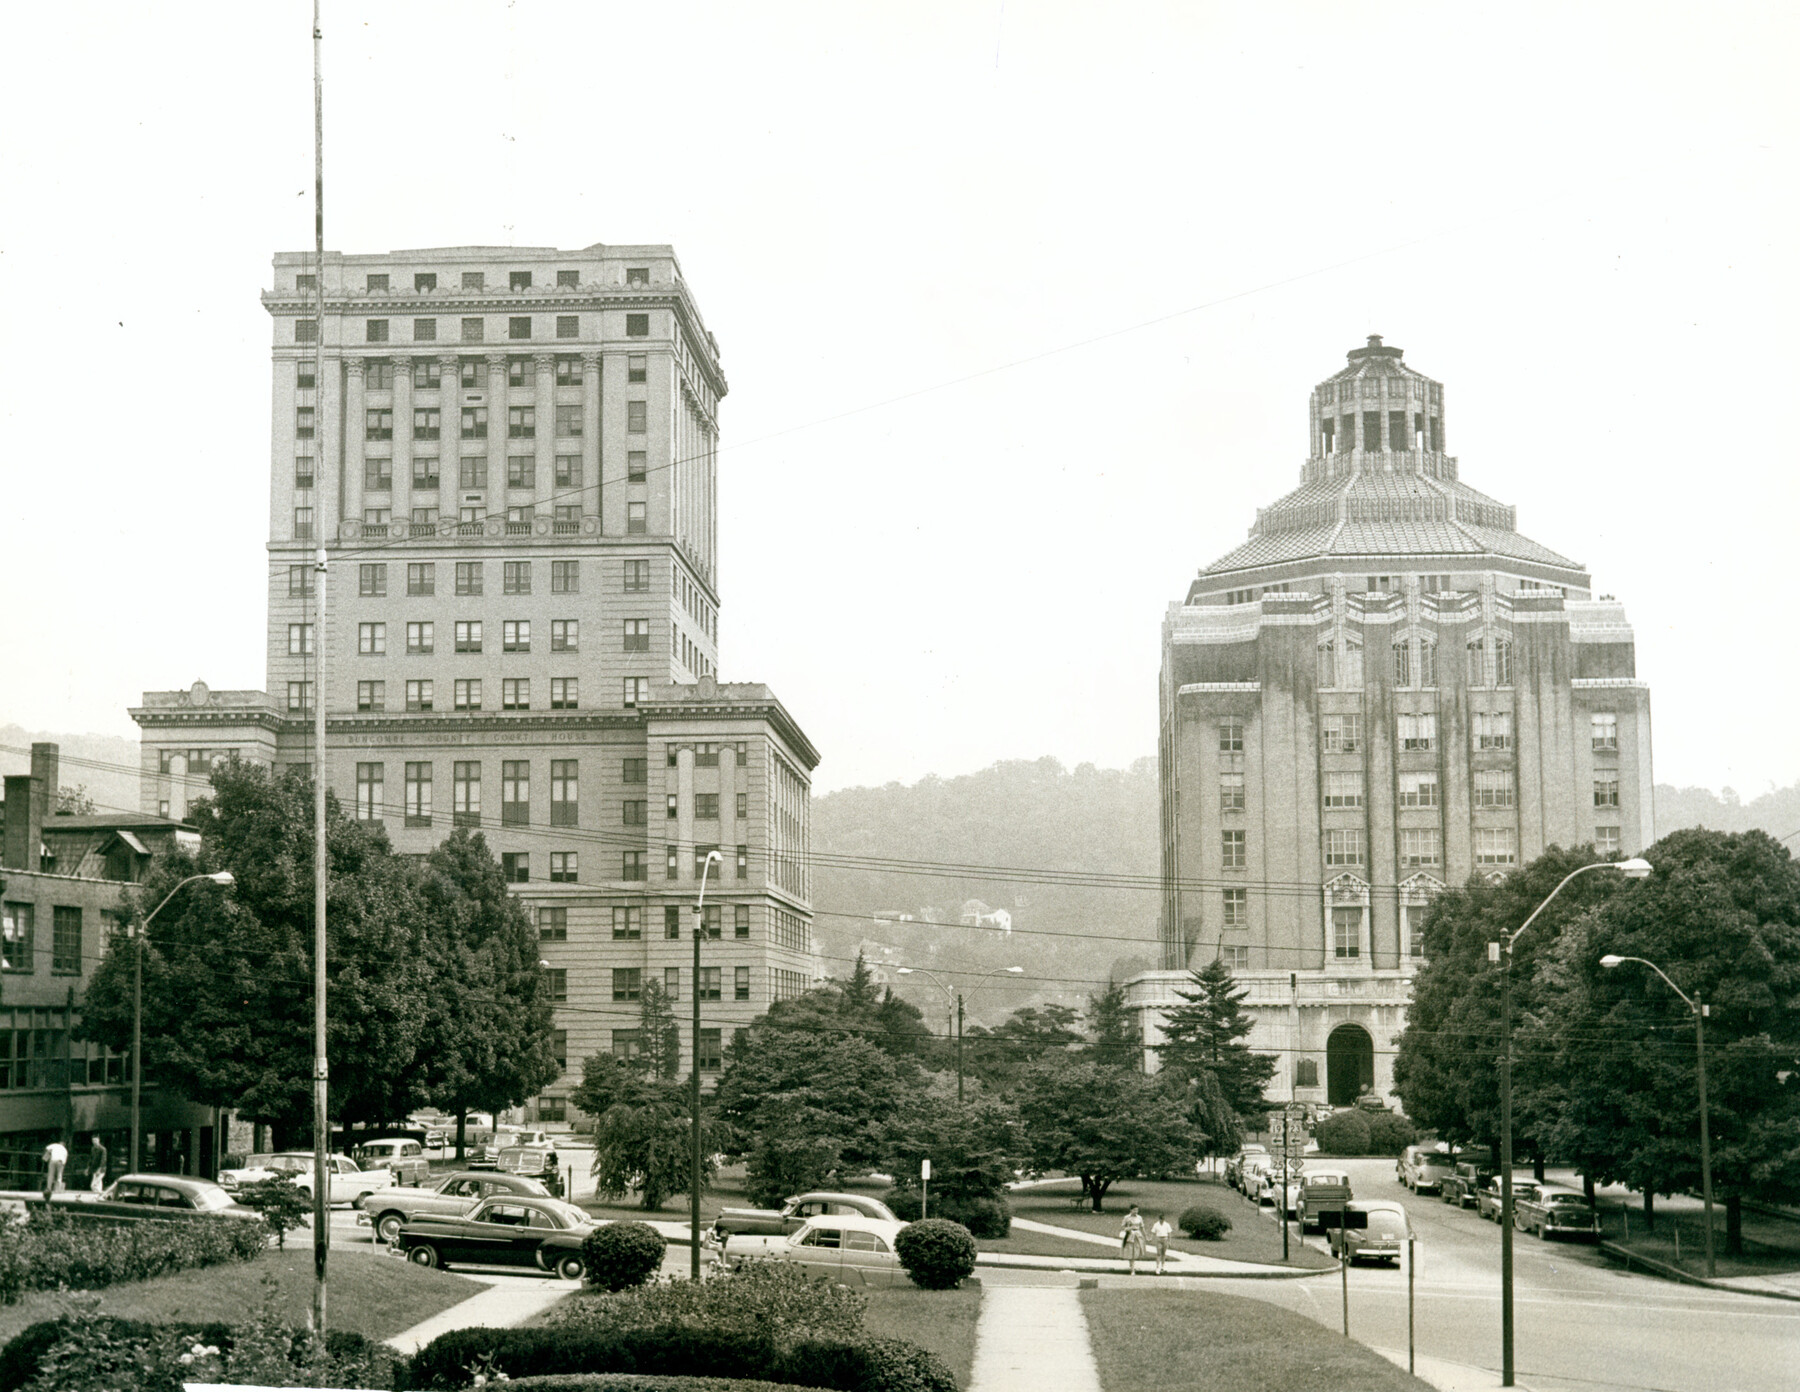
x=1385, y=690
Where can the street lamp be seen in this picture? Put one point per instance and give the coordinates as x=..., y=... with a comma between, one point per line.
x=712, y=858
x=1634, y=869
x=220, y=877
x=957, y=996
x=1610, y=961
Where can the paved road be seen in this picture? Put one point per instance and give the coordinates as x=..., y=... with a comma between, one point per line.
x=1581, y=1324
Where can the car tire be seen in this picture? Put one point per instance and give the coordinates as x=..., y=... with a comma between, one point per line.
x=387, y=1227
x=424, y=1255
x=570, y=1268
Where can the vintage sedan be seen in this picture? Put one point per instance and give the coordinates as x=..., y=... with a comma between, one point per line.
x=1374, y=1230
x=1463, y=1184
x=1488, y=1198
x=847, y=1248
x=1550, y=1211
x=350, y=1183
x=401, y=1156
x=534, y=1162
x=791, y=1216
x=506, y=1230
x=1234, y=1167
x=455, y=1195
x=137, y=1196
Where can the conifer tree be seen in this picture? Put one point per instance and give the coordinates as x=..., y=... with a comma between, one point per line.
x=1203, y=1038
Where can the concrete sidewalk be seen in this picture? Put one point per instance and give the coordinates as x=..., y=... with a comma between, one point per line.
x=1179, y=1263
x=1032, y=1338
x=508, y=1301
x=1446, y=1376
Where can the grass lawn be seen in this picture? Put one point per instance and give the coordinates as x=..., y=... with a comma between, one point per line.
x=1152, y=1340
x=1033, y=1244
x=942, y=1321
x=1771, y=1245
x=1252, y=1237
x=376, y=1296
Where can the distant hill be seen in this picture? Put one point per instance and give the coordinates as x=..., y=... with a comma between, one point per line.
x=113, y=785
x=1776, y=812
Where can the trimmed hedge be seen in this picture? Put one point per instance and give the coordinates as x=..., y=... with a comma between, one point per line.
x=52, y=1250
x=1204, y=1222
x=845, y=1364
x=642, y=1382
x=20, y=1358
x=936, y=1253
x=773, y=1297
x=619, y=1256
x=1343, y=1133
x=1389, y=1133
x=984, y=1217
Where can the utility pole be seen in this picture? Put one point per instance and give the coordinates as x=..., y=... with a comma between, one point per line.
x=959, y=1037
x=694, y=1069
x=321, y=1070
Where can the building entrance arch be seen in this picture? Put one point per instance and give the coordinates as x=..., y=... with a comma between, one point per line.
x=1349, y=1064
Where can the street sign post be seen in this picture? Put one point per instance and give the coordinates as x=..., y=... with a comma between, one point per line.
x=924, y=1185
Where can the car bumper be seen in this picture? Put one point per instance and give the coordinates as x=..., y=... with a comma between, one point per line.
x=1571, y=1230
x=1383, y=1251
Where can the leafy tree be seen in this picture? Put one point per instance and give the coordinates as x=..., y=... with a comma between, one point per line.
x=998, y=1056
x=1617, y=1081
x=228, y=976
x=283, y=1204
x=607, y=1080
x=1204, y=1037
x=75, y=801
x=1116, y=1039
x=973, y=1146
x=646, y=1144
x=858, y=1006
x=1104, y=1124
x=1446, y=1069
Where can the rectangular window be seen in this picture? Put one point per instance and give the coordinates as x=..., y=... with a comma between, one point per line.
x=468, y=635
x=553, y=925
x=564, y=792
x=1605, y=725
x=556, y=983
x=515, y=635
x=521, y=471
x=472, y=373
x=472, y=473
x=637, y=635
x=565, y=577
x=1231, y=850
x=474, y=329
x=515, y=866
x=515, y=577
x=1235, y=956
x=378, y=282
x=427, y=423
x=706, y=807
x=515, y=792
x=634, y=771
x=708, y=989
x=1403, y=663
x=1341, y=665
x=371, y=639
x=467, y=693
x=515, y=693
x=371, y=695
x=1503, y=662
x=423, y=516
x=465, y=793
x=1418, y=790
x=300, y=696
x=565, y=635
x=1494, y=788
x=627, y=923
x=378, y=424
x=1493, y=729
x=568, y=471
x=521, y=423
x=637, y=417
x=711, y=1049
x=300, y=639
x=632, y=866
x=374, y=517
x=565, y=867
x=375, y=331
x=568, y=420
x=565, y=693
x=637, y=576
x=1344, y=847
x=1427, y=663
x=428, y=373
x=369, y=792
x=634, y=690
x=419, y=695
x=559, y=1046
x=1343, y=790
x=421, y=578
x=674, y=862
x=425, y=472
x=635, y=812
x=1418, y=732
x=1346, y=933
x=637, y=367
x=371, y=579
x=568, y=325
x=1496, y=846
x=637, y=521
x=303, y=524
x=706, y=756
x=303, y=471
x=306, y=330
x=1606, y=840
x=378, y=374
x=65, y=940
x=418, y=795
x=743, y=806
x=740, y=920
x=475, y=427
x=671, y=921
x=419, y=639
x=1342, y=734
x=626, y=1043
x=740, y=983
x=425, y=331
x=1606, y=792
x=18, y=926
x=1421, y=848
x=1236, y=908
x=518, y=326
x=627, y=983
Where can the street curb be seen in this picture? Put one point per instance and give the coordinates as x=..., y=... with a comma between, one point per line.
x=1675, y=1273
x=1120, y=1269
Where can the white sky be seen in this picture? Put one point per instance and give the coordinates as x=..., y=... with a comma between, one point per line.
x=1581, y=219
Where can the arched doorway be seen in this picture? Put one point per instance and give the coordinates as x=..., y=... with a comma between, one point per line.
x=1349, y=1064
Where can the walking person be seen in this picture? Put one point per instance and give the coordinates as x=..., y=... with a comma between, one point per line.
x=56, y=1155
x=1131, y=1239
x=97, y=1160
x=1160, y=1233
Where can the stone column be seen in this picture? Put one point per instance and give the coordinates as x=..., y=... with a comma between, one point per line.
x=544, y=398
x=354, y=432
x=499, y=397
x=403, y=438
x=592, y=483
x=450, y=442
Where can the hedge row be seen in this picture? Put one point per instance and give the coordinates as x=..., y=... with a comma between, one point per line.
x=984, y=1217
x=642, y=1382
x=846, y=1364
x=20, y=1358
x=52, y=1250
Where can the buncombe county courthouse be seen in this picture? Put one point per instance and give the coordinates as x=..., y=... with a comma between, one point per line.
x=1385, y=690
x=512, y=472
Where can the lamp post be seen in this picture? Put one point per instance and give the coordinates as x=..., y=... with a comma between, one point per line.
x=1610, y=961
x=957, y=997
x=712, y=858
x=1634, y=869
x=221, y=877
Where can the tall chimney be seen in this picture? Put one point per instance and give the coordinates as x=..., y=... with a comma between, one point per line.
x=45, y=770
x=24, y=837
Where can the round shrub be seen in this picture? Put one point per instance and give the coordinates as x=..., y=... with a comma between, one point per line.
x=1204, y=1222
x=983, y=1216
x=619, y=1256
x=1343, y=1133
x=936, y=1253
x=1389, y=1134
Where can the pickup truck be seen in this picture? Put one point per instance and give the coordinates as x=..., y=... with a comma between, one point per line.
x=1550, y=1211
x=1324, y=1195
x=401, y=1156
x=1463, y=1184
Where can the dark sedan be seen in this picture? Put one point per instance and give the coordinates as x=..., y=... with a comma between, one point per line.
x=507, y=1230
x=137, y=1196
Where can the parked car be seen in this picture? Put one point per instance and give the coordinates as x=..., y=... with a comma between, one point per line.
x=505, y=1230
x=1269, y=1187
x=350, y=1184
x=1323, y=1196
x=1463, y=1184
x=846, y=1248
x=1234, y=1167
x=1422, y=1168
x=1487, y=1201
x=1250, y=1174
x=534, y=1162
x=488, y=1154
x=794, y=1214
x=1551, y=1211
x=402, y=1157
x=138, y=1196
x=1373, y=1230
x=455, y=1195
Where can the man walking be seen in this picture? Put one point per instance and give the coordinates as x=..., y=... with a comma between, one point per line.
x=97, y=1159
x=56, y=1155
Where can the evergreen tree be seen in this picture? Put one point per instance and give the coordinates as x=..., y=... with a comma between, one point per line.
x=1203, y=1038
x=659, y=1040
x=1116, y=1041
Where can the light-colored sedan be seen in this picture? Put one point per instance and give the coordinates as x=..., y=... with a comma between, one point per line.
x=350, y=1183
x=850, y=1250
x=456, y=1194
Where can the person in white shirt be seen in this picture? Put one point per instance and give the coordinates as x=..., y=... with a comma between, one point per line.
x=1160, y=1233
x=56, y=1155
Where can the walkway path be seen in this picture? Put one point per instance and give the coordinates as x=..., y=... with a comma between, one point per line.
x=1179, y=1263
x=1031, y=1338
x=509, y=1300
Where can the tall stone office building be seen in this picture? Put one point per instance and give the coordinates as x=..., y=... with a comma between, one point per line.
x=1385, y=690
x=512, y=473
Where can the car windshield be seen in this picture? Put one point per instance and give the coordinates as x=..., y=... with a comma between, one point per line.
x=523, y=1158
x=1570, y=1200
x=210, y=1198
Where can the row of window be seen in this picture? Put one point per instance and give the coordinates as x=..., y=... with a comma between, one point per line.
x=1488, y=731
x=37, y=1052
x=637, y=520
x=628, y=922
x=627, y=1043
x=521, y=422
x=466, y=694
x=381, y=281
x=515, y=636
x=1372, y=386
x=1420, y=847
x=470, y=373
x=521, y=472
x=1489, y=662
x=1339, y=432
x=519, y=327
x=18, y=938
x=1490, y=788
x=471, y=579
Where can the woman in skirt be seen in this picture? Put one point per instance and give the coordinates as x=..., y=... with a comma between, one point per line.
x=1131, y=1239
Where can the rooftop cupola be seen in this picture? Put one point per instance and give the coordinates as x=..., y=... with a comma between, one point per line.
x=1377, y=415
